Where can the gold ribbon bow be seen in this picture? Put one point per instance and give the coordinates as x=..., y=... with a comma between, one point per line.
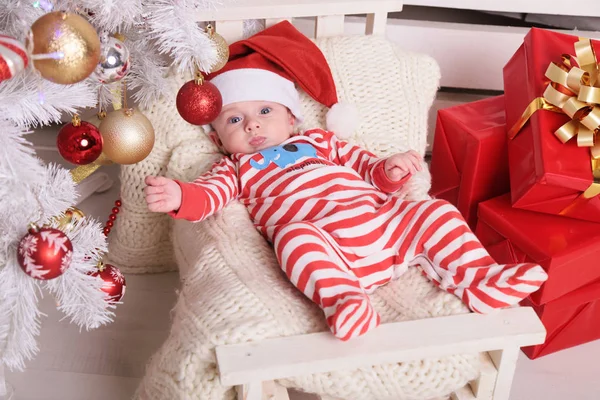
x=574, y=91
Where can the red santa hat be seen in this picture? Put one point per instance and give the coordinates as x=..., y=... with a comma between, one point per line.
x=267, y=66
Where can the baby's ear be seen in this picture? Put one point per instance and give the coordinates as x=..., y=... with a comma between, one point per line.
x=214, y=137
x=292, y=121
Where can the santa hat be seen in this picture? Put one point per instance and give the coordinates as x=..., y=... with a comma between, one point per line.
x=267, y=66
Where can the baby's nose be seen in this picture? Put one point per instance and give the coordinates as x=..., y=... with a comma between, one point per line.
x=252, y=126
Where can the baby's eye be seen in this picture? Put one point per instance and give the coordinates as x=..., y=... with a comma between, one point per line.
x=265, y=110
x=234, y=120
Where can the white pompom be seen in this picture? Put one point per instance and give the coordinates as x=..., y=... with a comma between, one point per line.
x=342, y=119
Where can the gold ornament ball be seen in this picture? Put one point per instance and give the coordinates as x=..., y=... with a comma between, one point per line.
x=222, y=52
x=128, y=136
x=70, y=35
x=70, y=218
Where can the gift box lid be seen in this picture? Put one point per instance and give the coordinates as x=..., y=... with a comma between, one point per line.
x=568, y=249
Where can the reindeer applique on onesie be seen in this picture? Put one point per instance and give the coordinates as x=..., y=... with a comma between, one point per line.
x=326, y=205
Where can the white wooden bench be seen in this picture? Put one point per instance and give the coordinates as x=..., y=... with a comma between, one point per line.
x=254, y=367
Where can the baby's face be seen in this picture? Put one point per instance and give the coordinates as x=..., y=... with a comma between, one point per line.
x=250, y=126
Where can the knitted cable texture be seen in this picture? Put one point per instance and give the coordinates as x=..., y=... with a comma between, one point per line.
x=232, y=289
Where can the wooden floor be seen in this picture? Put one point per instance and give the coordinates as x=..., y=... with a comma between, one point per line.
x=108, y=363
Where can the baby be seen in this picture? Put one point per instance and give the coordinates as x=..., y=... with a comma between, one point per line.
x=325, y=204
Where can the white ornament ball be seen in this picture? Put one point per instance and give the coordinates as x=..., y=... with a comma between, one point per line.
x=114, y=61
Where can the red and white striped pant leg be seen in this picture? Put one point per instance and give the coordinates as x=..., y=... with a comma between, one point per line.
x=451, y=255
x=312, y=262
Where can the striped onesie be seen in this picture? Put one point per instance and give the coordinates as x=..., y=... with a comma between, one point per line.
x=338, y=235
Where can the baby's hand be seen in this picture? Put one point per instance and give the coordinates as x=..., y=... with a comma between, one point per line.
x=162, y=194
x=399, y=165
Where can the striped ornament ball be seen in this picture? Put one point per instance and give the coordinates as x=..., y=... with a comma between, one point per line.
x=13, y=57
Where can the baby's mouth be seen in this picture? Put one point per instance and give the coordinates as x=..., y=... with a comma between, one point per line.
x=257, y=140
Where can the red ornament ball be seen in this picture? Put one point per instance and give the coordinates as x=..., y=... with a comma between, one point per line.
x=114, y=282
x=44, y=253
x=79, y=144
x=199, y=104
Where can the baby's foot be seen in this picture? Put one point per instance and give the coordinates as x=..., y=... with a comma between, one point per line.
x=354, y=317
x=503, y=286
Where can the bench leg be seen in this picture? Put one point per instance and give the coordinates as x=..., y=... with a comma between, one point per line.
x=250, y=391
x=269, y=390
x=506, y=363
x=484, y=387
x=274, y=391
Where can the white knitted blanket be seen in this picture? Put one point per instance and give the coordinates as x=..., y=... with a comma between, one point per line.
x=233, y=291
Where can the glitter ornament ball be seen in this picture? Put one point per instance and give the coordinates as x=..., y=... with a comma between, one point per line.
x=114, y=61
x=13, y=57
x=44, y=253
x=199, y=102
x=222, y=49
x=70, y=45
x=113, y=282
x=128, y=136
x=79, y=142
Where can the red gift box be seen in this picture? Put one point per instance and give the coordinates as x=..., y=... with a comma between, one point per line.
x=469, y=163
x=546, y=175
x=567, y=249
x=571, y=320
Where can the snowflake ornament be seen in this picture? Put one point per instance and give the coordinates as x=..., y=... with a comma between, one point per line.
x=44, y=253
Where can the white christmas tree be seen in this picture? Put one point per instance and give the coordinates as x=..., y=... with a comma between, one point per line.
x=160, y=35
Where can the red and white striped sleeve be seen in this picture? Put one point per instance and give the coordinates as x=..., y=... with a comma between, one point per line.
x=208, y=193
x=370, y=167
